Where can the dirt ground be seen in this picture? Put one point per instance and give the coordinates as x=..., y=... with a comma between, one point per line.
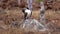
x=8, y=17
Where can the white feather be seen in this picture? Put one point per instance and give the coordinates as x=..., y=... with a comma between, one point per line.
x=28, y=12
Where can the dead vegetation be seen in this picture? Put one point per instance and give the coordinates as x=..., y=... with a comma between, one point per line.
x=49, y=4
x=10, y=19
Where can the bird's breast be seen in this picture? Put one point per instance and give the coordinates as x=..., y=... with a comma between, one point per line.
x=28, y=11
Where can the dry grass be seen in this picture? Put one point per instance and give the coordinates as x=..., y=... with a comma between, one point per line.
x=16, y=15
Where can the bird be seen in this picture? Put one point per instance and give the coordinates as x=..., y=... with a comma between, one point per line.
x=27, y=13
